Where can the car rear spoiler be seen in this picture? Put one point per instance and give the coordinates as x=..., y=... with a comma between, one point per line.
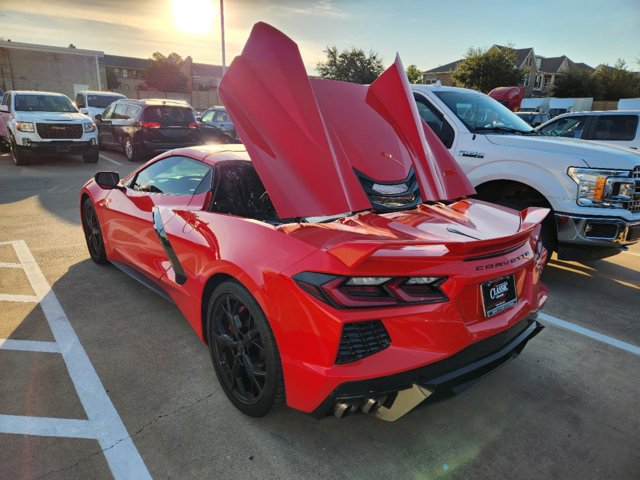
x=354, y=253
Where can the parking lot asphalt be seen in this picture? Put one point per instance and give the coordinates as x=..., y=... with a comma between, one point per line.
x=567, y=407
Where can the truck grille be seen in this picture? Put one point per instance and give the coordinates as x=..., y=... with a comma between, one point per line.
x=361, y=339
x=634, y=204
x=59, y=130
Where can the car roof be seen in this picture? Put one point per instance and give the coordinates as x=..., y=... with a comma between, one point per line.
x=35, y=92
x=101, y=92
x=600, y=113
x=213, y=154
x=440, y=88
x=156, y=102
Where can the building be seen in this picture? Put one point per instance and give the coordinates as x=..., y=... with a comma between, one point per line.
x=25, y=66
x=127, y=70
x=540, y=75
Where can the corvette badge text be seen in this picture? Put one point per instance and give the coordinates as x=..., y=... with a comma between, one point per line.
x=504, y=263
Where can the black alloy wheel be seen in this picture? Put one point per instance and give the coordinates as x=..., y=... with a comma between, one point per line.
x=130, y=150
x=243, y=350
x=93, y=233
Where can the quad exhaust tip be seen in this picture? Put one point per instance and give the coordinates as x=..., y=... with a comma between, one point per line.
x=404, y=401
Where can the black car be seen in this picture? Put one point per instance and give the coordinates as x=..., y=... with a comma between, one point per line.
x=217, y=127
x=143, y=128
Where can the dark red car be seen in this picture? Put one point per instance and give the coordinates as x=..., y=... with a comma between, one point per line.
x=337, y=264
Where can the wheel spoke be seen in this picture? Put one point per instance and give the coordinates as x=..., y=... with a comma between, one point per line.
x=225, y=340
x=252, y=373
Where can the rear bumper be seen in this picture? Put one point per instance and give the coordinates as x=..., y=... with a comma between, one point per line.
x=155, y=147
x=443, y=378
x=591, y=237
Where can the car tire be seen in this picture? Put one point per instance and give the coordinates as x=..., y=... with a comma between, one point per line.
x=91, y=157
x=20, y=158
x=93, y=233
x=130, y=150
x=244, y=351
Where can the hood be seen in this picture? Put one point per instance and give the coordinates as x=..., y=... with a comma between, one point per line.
x=50, y=117
x=594, y=154
x=320, y=145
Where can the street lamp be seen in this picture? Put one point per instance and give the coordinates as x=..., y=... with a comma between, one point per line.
x=224, y=63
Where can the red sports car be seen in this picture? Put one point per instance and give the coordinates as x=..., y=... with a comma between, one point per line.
x=336, y=264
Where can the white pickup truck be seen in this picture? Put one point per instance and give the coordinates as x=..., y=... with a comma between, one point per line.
x=33, y=123
x=593, y=189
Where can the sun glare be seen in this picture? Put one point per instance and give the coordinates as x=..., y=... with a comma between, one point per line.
x=194, y=16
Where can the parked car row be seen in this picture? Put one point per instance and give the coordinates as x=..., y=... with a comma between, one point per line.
x=33, y=123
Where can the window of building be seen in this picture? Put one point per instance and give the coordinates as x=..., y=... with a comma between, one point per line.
x=124, y=73
x=537, y=82
x=529, y=60
x=525, y=81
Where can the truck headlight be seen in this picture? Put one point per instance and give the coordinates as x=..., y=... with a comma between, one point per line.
x=25, y=126
x=89, y=127
x=602, y=188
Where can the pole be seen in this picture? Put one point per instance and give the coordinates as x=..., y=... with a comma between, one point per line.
x=224, y=63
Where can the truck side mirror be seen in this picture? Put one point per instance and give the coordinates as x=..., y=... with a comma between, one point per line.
x=84, y=110
x=107, y=180
x=98, y=117
x=4, y=108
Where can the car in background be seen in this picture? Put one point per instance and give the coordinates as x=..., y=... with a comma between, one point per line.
x=615, y=127
x=534, y=118
x=217, y=126
x=92, y=103
x=34, y=123
x=143, y=128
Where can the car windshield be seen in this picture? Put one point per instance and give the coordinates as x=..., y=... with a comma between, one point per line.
x=43, y=103
x=482, y=114
x=101, y=101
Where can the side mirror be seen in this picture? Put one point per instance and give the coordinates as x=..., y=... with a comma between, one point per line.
x=4, y=108
x=107, y=180
x=85, y=111
x=198, y=118
x=98, y=117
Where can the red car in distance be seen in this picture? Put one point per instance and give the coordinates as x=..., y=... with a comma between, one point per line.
x=337, y=264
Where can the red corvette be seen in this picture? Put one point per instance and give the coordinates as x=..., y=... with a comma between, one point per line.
x=336, y=264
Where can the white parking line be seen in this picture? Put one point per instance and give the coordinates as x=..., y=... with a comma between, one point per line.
x=104, y=423
x=18, y=298
x=46, y=427
x=614, y=342
x=29, y=345
x=632, y=253
x=104, y=157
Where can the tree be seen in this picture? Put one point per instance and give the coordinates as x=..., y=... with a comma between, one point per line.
x=351, y=65
x=414, y=74
x=576, y=83
x=485, y=69
x=163, y=73
x=617, y=82
x=112, y=79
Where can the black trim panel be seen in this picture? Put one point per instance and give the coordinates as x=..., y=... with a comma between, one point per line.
x=181, y=277
x=449, y=376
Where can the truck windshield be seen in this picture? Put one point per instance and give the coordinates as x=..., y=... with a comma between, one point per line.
x=102, y=101
x=43, y=103
x=482, y=114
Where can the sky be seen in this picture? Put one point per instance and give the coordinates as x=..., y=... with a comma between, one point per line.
x=425, y=33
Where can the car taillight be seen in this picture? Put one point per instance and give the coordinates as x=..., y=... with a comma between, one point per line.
x=363, y=292
x=194, y=125
x=150, y=124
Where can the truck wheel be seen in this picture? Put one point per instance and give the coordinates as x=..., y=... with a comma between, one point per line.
x=91, y=157
x=130, y=150
x=20, y=157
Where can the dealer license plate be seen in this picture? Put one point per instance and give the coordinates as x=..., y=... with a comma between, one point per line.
x=498, y=295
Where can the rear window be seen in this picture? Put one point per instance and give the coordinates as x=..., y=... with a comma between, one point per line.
x=616, y=127
x=102, y=101
x=166, y=115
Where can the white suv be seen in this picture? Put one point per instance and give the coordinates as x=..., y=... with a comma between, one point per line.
x=34, y=123
x=94, y=103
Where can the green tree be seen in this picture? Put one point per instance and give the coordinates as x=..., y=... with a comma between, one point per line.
x=576, y=83
x=485, y=69
x=163, y=73
x=414, y=74
x=351, y=65
x=112, y=79
x=617, y=82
